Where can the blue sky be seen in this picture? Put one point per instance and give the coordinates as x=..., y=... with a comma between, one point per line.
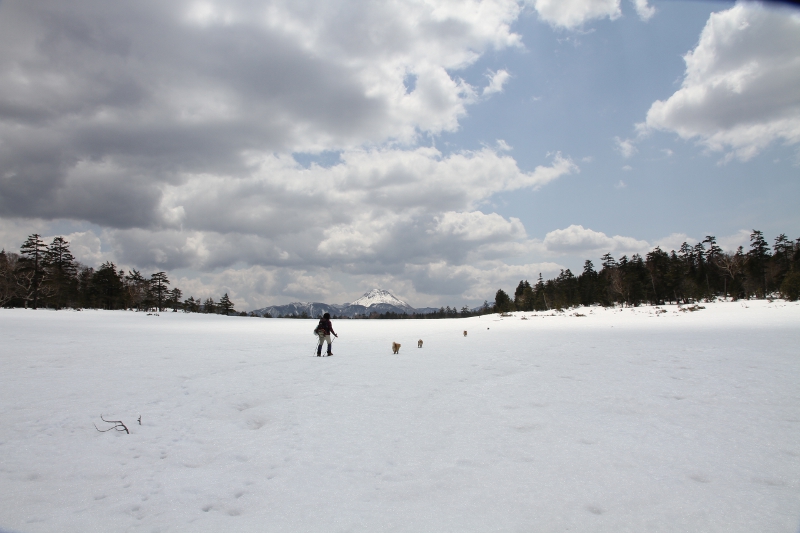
x=284, y=151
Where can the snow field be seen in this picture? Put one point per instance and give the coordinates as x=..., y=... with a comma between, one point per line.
x=622, y=420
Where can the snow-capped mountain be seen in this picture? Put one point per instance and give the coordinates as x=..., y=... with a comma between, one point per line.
x=375, y=301
x=380, y=296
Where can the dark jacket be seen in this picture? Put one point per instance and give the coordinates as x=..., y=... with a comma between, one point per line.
x=326, y=326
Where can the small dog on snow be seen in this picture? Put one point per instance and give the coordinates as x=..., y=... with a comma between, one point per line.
x=465, y=333
x=395, y=348
x=419, y=343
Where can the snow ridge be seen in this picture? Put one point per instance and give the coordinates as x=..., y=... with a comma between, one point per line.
x=375, y=301
x=380, y=296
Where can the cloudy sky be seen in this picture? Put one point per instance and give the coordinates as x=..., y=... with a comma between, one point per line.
x=285, y=150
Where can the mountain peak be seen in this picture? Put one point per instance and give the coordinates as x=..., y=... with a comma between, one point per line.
x=380, y=296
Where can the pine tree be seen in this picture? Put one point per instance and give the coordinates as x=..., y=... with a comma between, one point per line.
x=539, y=296
x=502, y=302
x=32, y=272
x=783, y=249
x=63, y=271
x=137, y=288
x=108, y=286
x=757, y=262
x=174, y=299
x=158, y=287
x=209, y=306
x=713, y=254
x=8, y=279
x=86, y=293
x=587, y=283
x=225, y=305
x=191, y=305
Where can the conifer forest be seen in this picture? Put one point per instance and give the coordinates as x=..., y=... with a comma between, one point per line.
x=45, y=275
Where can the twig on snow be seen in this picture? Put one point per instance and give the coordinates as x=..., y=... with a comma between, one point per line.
x=118, y=425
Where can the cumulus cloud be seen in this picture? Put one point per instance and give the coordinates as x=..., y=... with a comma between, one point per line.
x=572, y=14
x=643, y=9
x=176, y=129
x=477, y=226
x=730, y=243
x=496, y=82
x=739, y=92
x=120, y=99
x=577, y=239
x=376, y=205
x=674, y=241
x=625, y=147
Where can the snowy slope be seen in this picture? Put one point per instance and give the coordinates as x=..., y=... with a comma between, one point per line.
x=380, y=296
x=374, y=301
x=619, y=420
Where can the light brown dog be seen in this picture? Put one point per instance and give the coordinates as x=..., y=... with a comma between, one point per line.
x=419, y=343
x=465, y=333
x=395, y=348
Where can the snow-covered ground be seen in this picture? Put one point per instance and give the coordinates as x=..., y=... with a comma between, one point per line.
x=621, y=420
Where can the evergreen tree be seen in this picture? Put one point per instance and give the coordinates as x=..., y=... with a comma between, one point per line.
x=191, y=305
x=757, y=259
x=8, y=279
x=658, y=268
x=713, y=254
x=137, y=290
x=158, y=288
x=587, y=284
x=63, y=272
x=174, y=299
x=226, y=305
x=502, y=302
x=86, y=292
x=32, y=272
x=539, y=296
x=608, y=261
x=209, y=306
x=108, y=287
x=566, y=290
x=783, y=250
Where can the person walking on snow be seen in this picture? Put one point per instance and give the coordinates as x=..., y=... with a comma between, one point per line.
x=324, y=330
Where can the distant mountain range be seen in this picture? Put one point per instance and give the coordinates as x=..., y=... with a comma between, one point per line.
x=375, y=301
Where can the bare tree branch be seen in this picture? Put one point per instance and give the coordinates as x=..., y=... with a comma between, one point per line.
x=118, y=425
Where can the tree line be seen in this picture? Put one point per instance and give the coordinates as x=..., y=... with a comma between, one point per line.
x=42, y=275
x=48, y=276
x=693, y=273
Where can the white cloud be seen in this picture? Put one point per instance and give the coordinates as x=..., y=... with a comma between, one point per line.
x=496, y=82
x=730, y=243
x=644, y=10
x=168, y=128
x=477, y=282
x=577, y=239
x=625, y=147
x=572, y=14
x=87, y=248
x=477, y=226
x=374, y=207
x=674, y=241
x=740, y=91
x=503, y=146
